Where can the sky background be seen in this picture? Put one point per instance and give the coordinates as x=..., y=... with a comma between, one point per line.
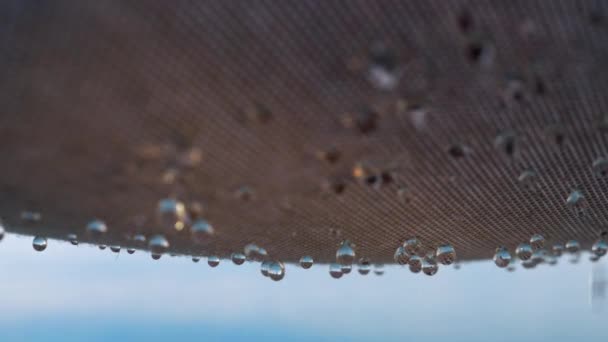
x=69, y=293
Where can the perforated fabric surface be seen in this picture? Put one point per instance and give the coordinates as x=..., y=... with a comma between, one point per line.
x=299, y=124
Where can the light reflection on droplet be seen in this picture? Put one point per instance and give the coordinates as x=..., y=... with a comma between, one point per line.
x=306, y=262
x=599, y=248
x=445, y=254
x=429, y=266
x=346, y=269
x=502, y=257
x=276, y=270
x=213, y=260
x=335, y=270
x=102, y=247
x=401, y=257
x=415, y=264
x=537, y=241
x=378, y=269
x=264, y=267
x=364, y=266
x=412, y=246
x=39, y=243
x=115, y=249
x=158, y=244
x=238, y=258
x=96, y=228
x=172, y=214
x=558, y=249
x=573, y=246
x=130, y=250
x=524, y=251
x=156, y=256
x=201, y=230
x=345, y=255
x=196, y=259
x=73, y=239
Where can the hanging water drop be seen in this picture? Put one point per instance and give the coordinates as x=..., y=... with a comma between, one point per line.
x=429, y=266
x=573, y=246
x=156, y=256
x=558, y=249
x=335, y=270
x=158, y=244
x=1, y=231
x=599, y=248
x=502, y=257
x=115, y=249
x=238, y=258
x=412, y=246
x=195, y=259
x=39, y=243
x=213, y=260
x=524, y=251
x=346, y=269
x=537, y=241
x=415, y=264
x=254, y=252
x=445, y=254
x=130, y=250
x=276, y=270
x=576, y=201
x=101, y=247
x=345, y=254
x=264, y=267
x=306, y=262
x=364, y=266
x=73, y=239
x=201, y=230
x=401, y=257
x=378, y=269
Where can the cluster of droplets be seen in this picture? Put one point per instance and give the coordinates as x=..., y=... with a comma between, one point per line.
x=533, y=253
x=419, y=259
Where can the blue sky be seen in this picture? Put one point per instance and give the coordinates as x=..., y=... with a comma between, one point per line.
x=69, y=293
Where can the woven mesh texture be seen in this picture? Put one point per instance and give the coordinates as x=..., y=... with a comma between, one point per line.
x=316, y=121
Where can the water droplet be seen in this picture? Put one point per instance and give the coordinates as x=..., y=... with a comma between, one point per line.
x=527, y=179
x=115, y=249
x=130, y=250
x=594, y=258
x=335, y=270
x=574, y=198
x=2, y=231
x=196, y=259
x=172, y=214
x=201, y=230
x=156, y=256
x=139, y=238
x=238, y=258
x=101, y=247
x=429, y=266
x=528, y=264
x=506, y=143
x=524, y=251
x=213, y=260
x=346, y=269
x=600, y=247
x=31, y=216
x=345, y=254
x=558, y=249
x=415, y=264
x=401, y=257
x=73, y=239
x=264, y=267
x=378, y=269
x=254, y=252
x=158, y=244
x=537, y=241
x=412, y=246
x=364, y=266
x=96, y=228
x=600, y=167
x=306, y=262
x=573, y=246
x=276, y=270
x=445, y=254
x=502, y=257
x=39, y=243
